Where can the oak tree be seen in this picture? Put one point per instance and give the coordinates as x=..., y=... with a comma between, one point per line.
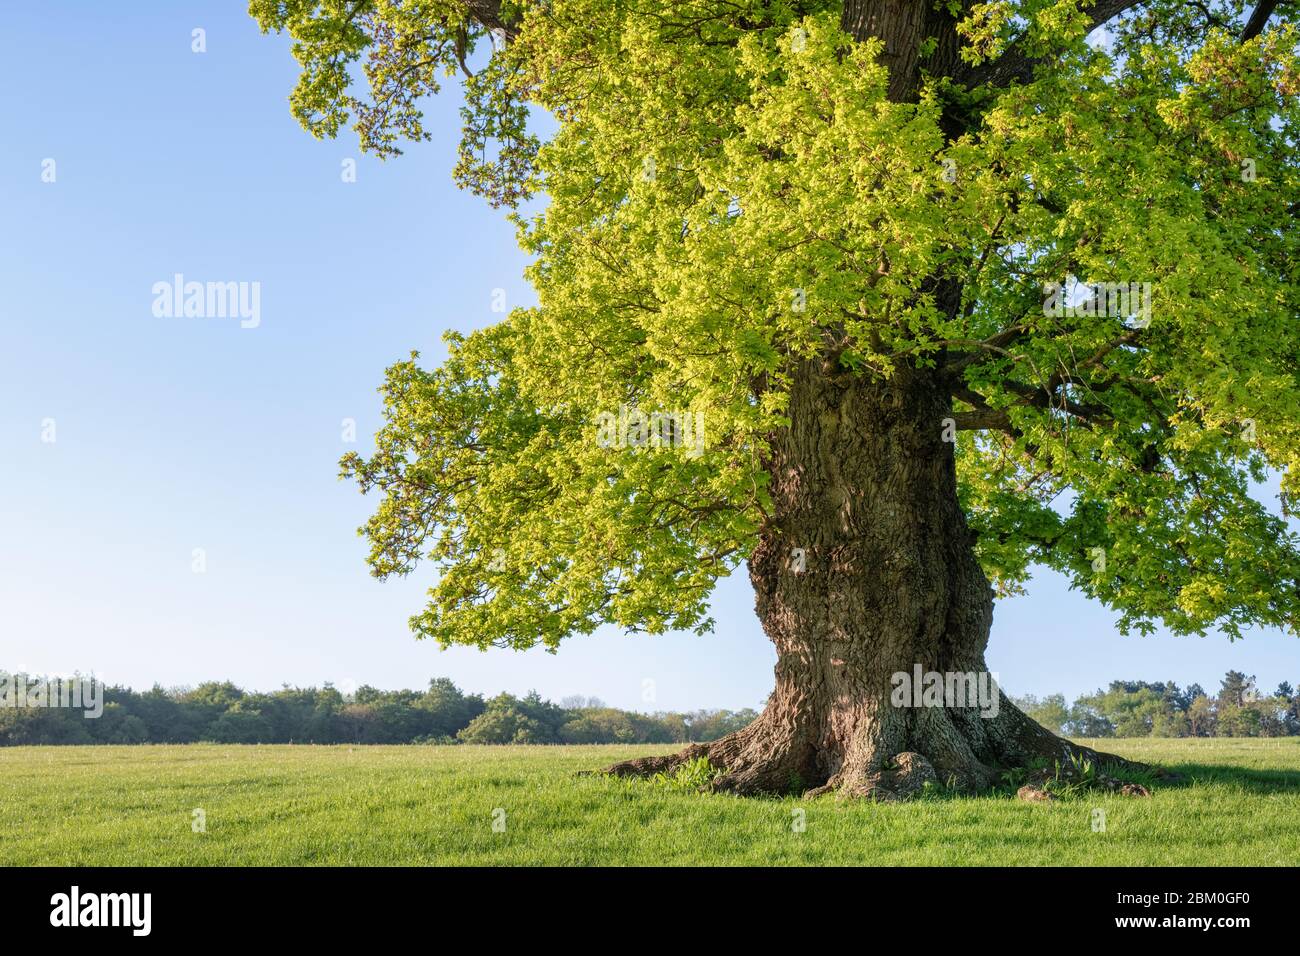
x=888, y=301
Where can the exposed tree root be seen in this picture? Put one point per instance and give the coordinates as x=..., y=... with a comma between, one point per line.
x=948, y=749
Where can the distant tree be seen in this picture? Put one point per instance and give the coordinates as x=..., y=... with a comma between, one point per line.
x=675, y=725
x=511, y=720
x=1175, y=700
x=610, y=726
x=1236, y=689
x=117, y=725
x=1130, y=707
x=1171, y=723
x=240, y=727
x=1237, y=721
x=449, y=710
x=1290, y=698
x=1201, y=717
x=216, y=694
x=380, y=722
x=205, y=704
x=1087, y=720
x=578, y=702
x=707, y=725
x=498, y=725
x=1052, y=711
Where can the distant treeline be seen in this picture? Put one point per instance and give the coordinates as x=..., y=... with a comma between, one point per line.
x=1140, y=709
x=220, y=712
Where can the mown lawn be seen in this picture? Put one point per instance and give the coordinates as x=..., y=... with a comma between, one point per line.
x=437, y=805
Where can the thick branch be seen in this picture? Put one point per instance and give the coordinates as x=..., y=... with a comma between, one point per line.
x=985, y=416
x=983, y=419
x=1016, y=65
x=487, y=14
x=1258, y=19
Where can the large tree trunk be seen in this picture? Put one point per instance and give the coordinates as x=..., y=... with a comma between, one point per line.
x=903, y=26
x=865, y=490
x=867, y=571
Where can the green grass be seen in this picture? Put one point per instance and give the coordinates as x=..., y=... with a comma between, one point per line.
x=434, y=805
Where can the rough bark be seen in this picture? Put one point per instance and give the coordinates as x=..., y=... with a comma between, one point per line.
x=866, y=571
x=903, y=25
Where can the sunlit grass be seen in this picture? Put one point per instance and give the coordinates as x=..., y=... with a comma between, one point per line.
x=346, y=805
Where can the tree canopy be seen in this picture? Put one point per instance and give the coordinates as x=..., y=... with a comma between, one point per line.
x=1083, y=219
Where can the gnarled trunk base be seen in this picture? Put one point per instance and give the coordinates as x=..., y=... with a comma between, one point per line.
x=764, y=758
x=866, y=578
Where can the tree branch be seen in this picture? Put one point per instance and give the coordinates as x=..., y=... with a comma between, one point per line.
x=1255, y=25
x=983, y=419
x=487, y=14
x=1016, y=65
x=992, y=347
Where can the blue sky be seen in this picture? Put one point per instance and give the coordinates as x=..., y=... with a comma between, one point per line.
x=173, y=434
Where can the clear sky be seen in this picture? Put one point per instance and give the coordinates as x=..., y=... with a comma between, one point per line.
x=176, y=434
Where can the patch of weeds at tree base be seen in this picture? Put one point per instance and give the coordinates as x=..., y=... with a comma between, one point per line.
x=693, y=775
x=1043, y=780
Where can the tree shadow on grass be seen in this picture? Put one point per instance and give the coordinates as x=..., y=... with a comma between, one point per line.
x=1152, y=778
x=1254, y=779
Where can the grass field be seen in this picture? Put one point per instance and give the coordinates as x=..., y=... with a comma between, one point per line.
x=436, y=805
